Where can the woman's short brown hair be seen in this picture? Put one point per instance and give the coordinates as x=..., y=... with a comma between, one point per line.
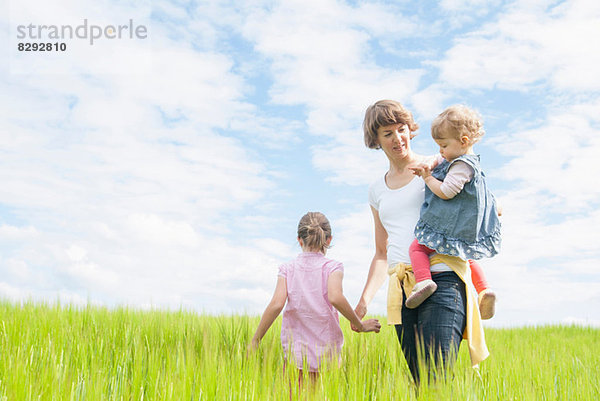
x=382, y=113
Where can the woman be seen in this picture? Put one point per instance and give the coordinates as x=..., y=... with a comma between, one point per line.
x=439, y=324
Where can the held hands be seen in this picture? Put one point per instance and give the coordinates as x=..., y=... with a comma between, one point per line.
x=367, y=326
x=371, y=325
x=361, y=311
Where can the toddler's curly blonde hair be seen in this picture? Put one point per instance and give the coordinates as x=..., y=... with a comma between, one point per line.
x=458, y=121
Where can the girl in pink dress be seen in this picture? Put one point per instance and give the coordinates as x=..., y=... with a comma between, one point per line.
x=312, y=286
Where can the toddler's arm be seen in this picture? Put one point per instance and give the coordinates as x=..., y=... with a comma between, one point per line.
x=458, y=175
x=271, y=311
x=424, y=171
x=339, y=301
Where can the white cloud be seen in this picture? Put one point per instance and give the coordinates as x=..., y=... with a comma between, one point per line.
x=528, y=45
x=321, y=59
x=154, y=230
x=11, y=233
x=466, y=12
x=13, y=293
x=430, y=101
x=166, y=265
x=124, y=187
x=318, y=63
x=465, y=5
x=528, y=295
x=346, y=165
x=556, y=159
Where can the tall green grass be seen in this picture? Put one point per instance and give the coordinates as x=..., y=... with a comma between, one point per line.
x=52, y=352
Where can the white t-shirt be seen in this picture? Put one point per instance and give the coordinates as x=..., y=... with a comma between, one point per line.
x=399, y=211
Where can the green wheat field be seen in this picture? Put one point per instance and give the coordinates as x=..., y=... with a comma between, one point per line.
x=53, y=352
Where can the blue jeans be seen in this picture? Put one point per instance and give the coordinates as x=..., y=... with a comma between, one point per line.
x=437, y=325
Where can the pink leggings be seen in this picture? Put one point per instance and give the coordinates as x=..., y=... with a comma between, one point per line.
x=419, y=259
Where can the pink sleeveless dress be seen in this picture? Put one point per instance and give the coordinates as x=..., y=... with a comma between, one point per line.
x=310, y=329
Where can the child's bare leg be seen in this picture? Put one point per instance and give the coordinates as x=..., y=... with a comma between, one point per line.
x=487, y=297
x=419, y=258
x=312, y=381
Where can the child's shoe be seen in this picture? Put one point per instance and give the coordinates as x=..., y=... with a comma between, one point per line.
x=421, y=291
x=487, y=304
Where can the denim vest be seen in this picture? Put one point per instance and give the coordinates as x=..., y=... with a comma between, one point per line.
x=467, y=225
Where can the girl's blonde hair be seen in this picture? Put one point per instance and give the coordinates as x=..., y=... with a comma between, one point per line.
x=314, y=230
x=382, y=113
x=458, y=121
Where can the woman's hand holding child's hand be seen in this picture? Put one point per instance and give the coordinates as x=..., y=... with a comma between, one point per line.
x=368, y=325
x=371, y=325
x=361, y=311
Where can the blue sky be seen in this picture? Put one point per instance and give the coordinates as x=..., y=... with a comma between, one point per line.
x=171, y=171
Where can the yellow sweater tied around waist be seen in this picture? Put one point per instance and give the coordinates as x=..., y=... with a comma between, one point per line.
x=402, y=277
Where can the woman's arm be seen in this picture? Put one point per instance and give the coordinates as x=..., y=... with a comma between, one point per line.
x=378, y=268
x=336, y=296
x=271, y=311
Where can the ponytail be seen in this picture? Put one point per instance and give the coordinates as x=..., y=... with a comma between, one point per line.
x=314, y=230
